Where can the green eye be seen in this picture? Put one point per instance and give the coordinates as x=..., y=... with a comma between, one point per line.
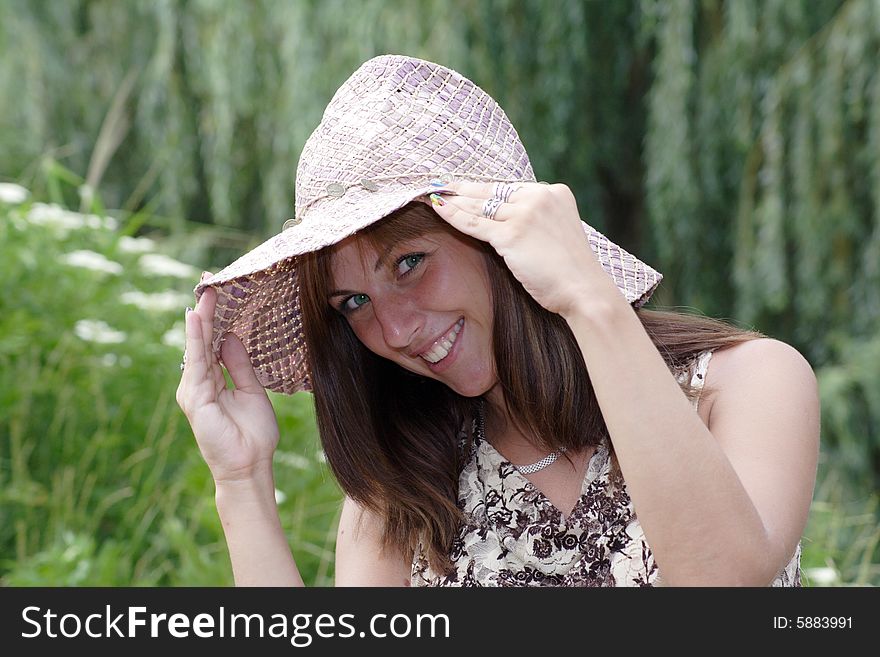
x=355, y=301
x=409, y=262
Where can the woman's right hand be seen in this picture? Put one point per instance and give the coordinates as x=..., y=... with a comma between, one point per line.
x=236, y=429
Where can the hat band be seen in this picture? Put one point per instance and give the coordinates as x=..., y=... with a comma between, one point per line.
x=338, y=188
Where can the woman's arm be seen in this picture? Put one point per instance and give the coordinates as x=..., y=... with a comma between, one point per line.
x=720, y=505
x=260, y=553
x=361, y=558
x=258, y=548
x=237, y=433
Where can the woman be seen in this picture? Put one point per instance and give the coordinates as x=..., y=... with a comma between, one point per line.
x=453, y=318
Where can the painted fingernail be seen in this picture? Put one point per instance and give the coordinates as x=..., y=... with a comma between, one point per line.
x=436, y=200
x=438, y=183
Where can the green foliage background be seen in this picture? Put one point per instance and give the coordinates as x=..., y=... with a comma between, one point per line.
x=734, y=145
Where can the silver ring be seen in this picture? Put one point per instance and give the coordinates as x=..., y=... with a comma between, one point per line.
x=502, y=191
x=490, y=207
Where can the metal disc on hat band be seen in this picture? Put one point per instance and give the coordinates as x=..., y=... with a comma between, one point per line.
x=290, y=223
x=369, y=185
x=335, y=189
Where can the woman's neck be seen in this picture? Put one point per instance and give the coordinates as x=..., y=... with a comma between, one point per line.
x=503, y=432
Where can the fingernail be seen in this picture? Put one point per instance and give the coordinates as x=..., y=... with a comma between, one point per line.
x=187, y=312
x=436, y=200
x=205, y=274
x=438, y=183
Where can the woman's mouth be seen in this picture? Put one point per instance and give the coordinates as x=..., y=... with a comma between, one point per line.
x=441, y=348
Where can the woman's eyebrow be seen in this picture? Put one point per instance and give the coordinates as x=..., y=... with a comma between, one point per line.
x=339, y=293
x=380, y=262
x=384, y=255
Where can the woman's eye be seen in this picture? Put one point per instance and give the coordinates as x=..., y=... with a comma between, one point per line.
x=409, y=262
x=354, y=302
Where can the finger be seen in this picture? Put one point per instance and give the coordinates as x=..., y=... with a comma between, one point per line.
x=194, y=366
x=486, y=190
x=462, y=220
x=205, y=311
x=238, y=364
x=477, y=206
x=202, y=378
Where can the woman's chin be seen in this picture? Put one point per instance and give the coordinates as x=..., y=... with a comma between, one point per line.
x=473, y=387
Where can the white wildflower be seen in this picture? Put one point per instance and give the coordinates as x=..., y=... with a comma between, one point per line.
x=175, y=337
x=94, y=330
x=136, y=244
x=112, y=360
x=157, y=301
x=823, y=576
x=54, y=216
x=279, y=496
x=13, y=194
x=156, y=264
x=92, y=260
x=297, y=461
x=97, y=223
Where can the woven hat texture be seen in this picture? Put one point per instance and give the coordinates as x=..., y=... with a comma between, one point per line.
x=394, y=126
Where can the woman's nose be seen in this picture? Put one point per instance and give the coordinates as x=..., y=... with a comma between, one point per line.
x=399, y=319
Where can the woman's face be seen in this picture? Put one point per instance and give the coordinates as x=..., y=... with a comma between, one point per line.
x=425, y=304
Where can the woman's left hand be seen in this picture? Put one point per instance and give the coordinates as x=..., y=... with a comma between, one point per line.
x=539, y=234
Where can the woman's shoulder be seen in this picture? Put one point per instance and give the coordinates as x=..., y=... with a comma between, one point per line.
x=758, y=356
x=757, y=362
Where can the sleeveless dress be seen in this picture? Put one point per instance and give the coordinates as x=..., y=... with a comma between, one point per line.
x=514, y=536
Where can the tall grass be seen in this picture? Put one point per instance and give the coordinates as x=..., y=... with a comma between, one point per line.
x=842, y=538
x=101, y=482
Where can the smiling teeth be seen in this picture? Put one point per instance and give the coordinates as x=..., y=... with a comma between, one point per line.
x=440, y=349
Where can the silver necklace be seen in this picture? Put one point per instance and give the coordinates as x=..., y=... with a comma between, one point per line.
x=540, y=465
x=531, y=468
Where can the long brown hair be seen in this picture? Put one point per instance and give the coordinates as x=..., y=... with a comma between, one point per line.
x=397, y=442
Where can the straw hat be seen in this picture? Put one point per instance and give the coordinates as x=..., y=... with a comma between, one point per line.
x=394, y=126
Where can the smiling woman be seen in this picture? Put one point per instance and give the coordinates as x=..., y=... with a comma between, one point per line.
x=425, y=305
x=454, y=318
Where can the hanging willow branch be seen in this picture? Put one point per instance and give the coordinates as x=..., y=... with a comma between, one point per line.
x=734, y=145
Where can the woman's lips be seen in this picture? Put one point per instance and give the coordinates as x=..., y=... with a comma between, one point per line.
x=449, y=359
x=443, y=345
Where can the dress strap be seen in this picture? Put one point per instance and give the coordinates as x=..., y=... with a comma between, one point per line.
x=698, y=379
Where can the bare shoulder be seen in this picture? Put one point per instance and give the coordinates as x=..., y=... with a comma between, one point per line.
x=767, y=359
x=765, y=367
x=765, y=418
x=745, y=356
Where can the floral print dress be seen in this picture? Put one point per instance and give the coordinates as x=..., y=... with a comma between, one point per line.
x=514, y=536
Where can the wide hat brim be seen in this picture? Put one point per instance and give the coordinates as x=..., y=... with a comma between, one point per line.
x=391, y=129
x=258, y=295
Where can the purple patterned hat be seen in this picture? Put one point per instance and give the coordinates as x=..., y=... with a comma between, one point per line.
x=394, y=126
